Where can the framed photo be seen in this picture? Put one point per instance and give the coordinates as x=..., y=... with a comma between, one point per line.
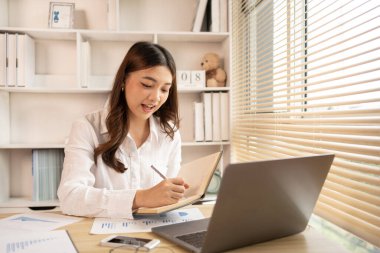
x=61, y=15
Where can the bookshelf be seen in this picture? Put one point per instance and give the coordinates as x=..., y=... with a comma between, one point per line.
x=40, y=115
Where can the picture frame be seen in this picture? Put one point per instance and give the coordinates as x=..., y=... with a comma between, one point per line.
x=61, y=15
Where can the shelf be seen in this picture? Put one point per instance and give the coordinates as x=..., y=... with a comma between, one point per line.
x=206, y=89
x=106, y=35
x=187, y=37
x=26, y=202
x=54, y=90
x=117, y=35
x=31, y=146
x=46, y=146
x=95, y=90
x=205, y=143
x=44, y=34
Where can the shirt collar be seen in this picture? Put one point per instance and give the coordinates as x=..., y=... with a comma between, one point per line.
x=103, y=126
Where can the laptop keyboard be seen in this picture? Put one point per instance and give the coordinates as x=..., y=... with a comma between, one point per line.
x=194, y=239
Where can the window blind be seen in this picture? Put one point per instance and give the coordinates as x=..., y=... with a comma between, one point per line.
x=306, y=80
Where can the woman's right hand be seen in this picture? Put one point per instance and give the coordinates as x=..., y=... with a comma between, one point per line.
x=167, y=192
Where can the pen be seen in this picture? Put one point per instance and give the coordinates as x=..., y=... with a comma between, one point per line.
x=158, y=172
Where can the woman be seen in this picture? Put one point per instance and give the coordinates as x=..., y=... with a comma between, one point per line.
x=107, y=169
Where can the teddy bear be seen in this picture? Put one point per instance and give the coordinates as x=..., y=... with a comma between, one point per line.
x=215, y=76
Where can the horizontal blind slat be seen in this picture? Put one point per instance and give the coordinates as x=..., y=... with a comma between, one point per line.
x=305, y=80
x=350, y=223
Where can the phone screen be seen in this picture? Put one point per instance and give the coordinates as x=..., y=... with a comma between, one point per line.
x=130, y=240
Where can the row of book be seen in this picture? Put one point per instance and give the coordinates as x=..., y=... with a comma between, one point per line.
x=211, y=16
x=47, y=166
x=17, y=60
x=211, y=117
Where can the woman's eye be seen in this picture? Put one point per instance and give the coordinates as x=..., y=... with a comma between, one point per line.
x=146, y=85
x=165, y=91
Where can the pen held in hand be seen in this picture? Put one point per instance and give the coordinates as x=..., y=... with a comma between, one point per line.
x=158, y=172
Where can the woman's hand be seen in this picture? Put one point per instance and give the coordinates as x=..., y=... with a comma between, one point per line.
x=167, y=192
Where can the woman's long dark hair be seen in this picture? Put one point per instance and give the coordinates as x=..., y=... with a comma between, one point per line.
x=142, y=55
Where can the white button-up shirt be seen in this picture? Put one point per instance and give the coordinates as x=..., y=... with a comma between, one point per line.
x=97, y=190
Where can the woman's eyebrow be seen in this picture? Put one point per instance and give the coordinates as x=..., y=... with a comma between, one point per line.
x=153, y=79
x=150, y=78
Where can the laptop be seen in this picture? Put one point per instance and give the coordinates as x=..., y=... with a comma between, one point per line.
x=257, y=202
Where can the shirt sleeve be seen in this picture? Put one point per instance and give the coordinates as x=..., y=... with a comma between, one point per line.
x=77, y=192
x=175, y=156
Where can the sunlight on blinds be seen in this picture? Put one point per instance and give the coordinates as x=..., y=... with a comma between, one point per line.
x=306, y=80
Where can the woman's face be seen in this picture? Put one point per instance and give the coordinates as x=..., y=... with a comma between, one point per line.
x=147, y=90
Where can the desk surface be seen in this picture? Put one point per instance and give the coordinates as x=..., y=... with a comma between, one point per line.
x=309, y=241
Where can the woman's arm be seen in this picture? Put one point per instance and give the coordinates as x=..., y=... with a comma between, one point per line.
x=77, y=192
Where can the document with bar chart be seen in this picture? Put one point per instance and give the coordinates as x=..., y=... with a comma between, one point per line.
x=57, y=241
x=143, y=223
x=35, y=222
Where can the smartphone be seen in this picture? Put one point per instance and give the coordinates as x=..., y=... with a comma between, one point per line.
x=129, y=242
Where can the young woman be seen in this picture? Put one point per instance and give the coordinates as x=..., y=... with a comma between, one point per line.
x=108, y=162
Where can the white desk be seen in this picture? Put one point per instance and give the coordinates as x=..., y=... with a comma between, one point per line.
x=309, y=241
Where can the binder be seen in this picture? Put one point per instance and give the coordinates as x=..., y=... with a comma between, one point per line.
x=199, y=134
x=215, y=16
x=25, y=55
x=224, y=15
x=11, y=59
x=85, y=70
x=224, y=116
x=3, y=59
x=216, y=135
x=112, y=17
x=207, y=112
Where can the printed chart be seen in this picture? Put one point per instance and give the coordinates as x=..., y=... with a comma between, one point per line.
x=56, y=241
x=143, y=223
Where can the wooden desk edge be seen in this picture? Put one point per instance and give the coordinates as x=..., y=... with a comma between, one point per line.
x=306, y=242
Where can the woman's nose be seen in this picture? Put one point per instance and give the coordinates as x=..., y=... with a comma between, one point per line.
x=155, y=95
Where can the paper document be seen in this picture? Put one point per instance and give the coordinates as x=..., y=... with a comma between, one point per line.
x=143, y=223
x=34, y=222
x=53, y=241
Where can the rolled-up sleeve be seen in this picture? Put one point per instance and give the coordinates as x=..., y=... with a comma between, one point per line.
x=78, y=191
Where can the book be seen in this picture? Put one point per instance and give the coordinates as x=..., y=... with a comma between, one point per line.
x=25, y=66
x=197, y=174
x=199, y=134
x=199, y=16
x=207, y=107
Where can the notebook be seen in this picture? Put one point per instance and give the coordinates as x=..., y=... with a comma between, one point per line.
x=258, y=201
x=197, y=174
